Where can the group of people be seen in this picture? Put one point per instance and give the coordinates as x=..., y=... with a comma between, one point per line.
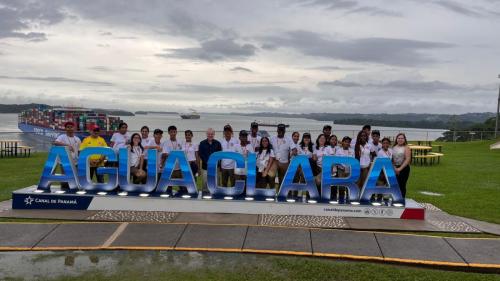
x=273, y=154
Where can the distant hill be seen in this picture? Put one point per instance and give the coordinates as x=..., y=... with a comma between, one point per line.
x=155, y=112
x=409, y=120
x=17, y=108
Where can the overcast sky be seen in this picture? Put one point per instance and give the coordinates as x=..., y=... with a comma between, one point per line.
x=438, y=56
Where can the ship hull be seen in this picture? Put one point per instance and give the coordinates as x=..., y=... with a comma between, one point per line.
x=190, y=116
x=53, y=134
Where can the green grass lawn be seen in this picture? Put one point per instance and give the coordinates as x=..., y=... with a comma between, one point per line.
x=468, y=177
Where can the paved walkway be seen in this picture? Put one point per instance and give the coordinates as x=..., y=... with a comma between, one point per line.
x=476, y=253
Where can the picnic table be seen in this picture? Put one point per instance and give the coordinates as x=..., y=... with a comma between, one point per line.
x=9, y=148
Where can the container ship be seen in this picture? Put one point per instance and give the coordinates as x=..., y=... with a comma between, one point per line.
x=49, y=122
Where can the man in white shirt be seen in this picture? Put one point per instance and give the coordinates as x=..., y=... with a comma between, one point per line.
x=375, y=144
x=72, y=142
x=282, y=146
x=121, y=138
x=157, y=144
x=254, y=139
x=228, y=143
x=170, y=145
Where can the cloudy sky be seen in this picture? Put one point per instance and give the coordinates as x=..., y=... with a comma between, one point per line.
x=436, y=56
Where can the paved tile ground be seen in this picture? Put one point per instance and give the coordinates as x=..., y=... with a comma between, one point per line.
x=357, y=245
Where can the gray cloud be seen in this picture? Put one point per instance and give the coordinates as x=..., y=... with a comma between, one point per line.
x=241, y=69
x=213, y=50
x=399, y=52
x=263, y=82
x=58, y=80
x=332, y=68
x=418, y=86
x=350, y=7
x=101, y=68
x=196, y=88
x=166, y=76
x=18, y=16
x=466, y=10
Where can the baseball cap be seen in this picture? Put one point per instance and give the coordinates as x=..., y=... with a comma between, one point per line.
x=254, y=125
x=158, y=131
x=228, y=128
x=281, y=126
x=327, y=127
x=69, y=123
x=243, y=133
x=94, y=128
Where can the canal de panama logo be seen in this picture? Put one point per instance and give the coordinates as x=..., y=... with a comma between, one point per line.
x=28, y=200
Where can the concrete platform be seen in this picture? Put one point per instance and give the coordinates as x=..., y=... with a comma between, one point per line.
x=436, y=220
x=466, y=253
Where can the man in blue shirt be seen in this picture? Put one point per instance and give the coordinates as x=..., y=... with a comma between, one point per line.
x=206, y=148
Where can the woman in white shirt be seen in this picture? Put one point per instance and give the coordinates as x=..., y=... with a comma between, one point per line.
x=147, y=142
x=362, y=153
x=333, y=142
x=321, y=149
x=265, y=159
x=136, y=160
x=386, y=150
x=305, y=147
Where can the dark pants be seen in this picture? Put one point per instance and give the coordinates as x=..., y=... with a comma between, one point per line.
x=226, y=175
x=93, y=171
x=402, y=179
x=262, y=182
x=194, y=167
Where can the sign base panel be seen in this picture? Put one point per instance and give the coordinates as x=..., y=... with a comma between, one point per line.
x=31, y=198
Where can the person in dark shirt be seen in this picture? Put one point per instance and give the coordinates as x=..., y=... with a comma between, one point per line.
x=206, y=148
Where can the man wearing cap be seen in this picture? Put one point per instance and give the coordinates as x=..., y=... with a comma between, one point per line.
x=254, y=139
x=228, y=143
x=94, y=140
x=206, y=148
x=327, y=131
x=158, y=144
x=282, y=146
x=169, y=145
x=72, y=142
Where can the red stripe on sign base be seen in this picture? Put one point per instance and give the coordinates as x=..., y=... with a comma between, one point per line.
x=413, y=214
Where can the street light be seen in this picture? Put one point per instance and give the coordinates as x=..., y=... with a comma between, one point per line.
x=498, y=109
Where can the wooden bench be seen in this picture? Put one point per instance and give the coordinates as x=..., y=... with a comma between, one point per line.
x=424, y=159
x=24, y=150
x=437, y=155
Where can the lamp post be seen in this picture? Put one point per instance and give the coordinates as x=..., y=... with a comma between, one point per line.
x=498, y=109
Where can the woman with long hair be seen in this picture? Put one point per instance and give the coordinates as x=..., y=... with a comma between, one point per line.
x=401, y=158
x=136, y=160
x=321, y=149
x=362, y=153
x=265, y=158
